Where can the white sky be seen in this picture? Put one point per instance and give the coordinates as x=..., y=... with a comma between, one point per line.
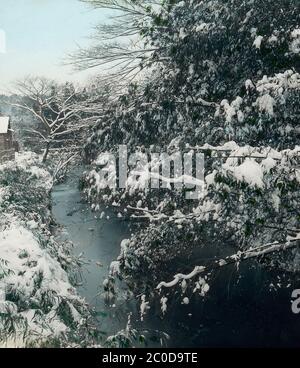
x=40, y=33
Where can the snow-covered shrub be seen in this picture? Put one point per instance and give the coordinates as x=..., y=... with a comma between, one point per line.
x=251, y=201
x=38, y=304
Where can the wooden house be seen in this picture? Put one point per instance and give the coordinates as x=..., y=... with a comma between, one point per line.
x=7, y=144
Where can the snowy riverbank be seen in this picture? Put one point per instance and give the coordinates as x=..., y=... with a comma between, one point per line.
x=38, y=303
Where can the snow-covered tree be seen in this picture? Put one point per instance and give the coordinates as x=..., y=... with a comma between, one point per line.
x=218, y=77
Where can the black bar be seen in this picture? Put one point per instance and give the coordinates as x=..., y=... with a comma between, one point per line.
x=90, y=358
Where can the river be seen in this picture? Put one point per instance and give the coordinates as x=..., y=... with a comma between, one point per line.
x=242, y=309
x=98, y=240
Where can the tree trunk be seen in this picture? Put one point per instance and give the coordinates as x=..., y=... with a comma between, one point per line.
x=45, y=155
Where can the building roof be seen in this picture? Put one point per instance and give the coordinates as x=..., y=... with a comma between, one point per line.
x=4, y=124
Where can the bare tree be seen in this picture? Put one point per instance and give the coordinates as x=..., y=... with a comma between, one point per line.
x=58, y=110
x=119, y=44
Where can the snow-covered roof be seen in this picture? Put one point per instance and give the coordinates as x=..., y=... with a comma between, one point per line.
x=4, y=124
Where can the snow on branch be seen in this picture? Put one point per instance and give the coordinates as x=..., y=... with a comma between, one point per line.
x=234, y=259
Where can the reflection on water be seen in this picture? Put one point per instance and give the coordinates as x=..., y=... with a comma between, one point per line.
x=241, y=309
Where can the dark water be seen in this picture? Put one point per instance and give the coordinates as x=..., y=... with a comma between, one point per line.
x=240, y=310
